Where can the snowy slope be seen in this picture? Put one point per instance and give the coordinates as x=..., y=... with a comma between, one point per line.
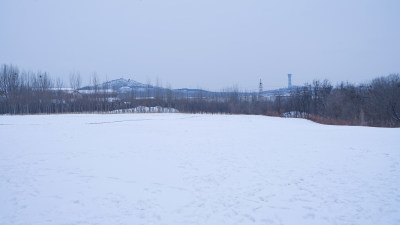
x=195, y=169
x=119, y=84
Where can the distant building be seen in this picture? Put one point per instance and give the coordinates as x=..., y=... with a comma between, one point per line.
x=289, y=80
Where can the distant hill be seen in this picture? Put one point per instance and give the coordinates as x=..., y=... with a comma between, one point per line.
x=280, y=91
x=119, y=85
x=122, y=86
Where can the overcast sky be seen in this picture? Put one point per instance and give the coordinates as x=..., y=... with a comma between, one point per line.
x=211, y=44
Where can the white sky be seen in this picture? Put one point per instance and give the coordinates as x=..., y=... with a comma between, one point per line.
x=211, y=44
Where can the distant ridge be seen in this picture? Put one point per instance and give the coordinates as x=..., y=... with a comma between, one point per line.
x=122, y=85
x=117, y=84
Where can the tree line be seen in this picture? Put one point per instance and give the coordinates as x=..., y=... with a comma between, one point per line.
x=375, y=103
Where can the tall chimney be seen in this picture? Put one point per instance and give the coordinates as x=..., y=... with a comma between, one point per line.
x=289, y=80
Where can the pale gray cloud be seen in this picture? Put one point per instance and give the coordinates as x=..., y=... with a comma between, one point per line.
x=209, y=43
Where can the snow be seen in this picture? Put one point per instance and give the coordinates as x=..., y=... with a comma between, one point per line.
x=145, y=109
x=195, y=169
x=118, y=84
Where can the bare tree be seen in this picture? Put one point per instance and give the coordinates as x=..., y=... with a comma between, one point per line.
x=95, y=82
x=75, y=80
x=385, y=99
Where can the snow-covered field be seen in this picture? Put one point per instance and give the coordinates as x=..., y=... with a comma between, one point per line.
x=181, y=169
